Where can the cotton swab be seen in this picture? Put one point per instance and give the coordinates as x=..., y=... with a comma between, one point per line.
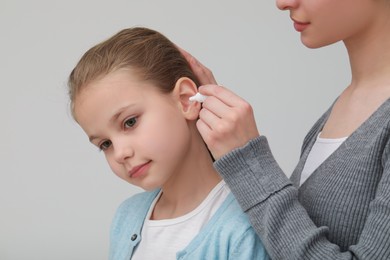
x=198, y=98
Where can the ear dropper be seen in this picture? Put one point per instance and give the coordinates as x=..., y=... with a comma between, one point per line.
x=198, y=98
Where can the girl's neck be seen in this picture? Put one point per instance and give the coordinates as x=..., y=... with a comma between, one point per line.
x=188, y=187
x=178, y=201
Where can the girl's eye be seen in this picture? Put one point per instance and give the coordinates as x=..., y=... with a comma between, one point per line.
x=129, y=123
x=105, y=145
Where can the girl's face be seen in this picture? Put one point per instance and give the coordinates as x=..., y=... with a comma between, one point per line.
x=142, y=132
x=323, y=22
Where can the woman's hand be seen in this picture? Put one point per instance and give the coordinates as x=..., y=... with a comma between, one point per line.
x=226, y=121
x=204, y=75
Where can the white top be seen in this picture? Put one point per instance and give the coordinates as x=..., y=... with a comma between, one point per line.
x=166, y=237
x=320, y=151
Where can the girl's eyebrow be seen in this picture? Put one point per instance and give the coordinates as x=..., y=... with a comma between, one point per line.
x=114, y=118
x=91, y=138
x=119, y=112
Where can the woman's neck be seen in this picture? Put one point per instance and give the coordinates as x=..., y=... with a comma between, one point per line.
x=369, y=54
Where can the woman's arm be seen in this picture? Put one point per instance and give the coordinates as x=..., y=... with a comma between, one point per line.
x=267, y=195
x=271, y=202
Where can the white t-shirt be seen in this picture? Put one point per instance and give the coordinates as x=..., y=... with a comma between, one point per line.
x=320, y=151
x=166, y=237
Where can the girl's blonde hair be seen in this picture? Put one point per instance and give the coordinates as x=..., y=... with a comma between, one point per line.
x=148, y=52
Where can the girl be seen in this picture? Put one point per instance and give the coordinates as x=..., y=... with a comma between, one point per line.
x=337, y=203
x=130, y=94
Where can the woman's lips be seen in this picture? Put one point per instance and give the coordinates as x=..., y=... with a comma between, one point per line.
x=139, y=170
x=300, y=26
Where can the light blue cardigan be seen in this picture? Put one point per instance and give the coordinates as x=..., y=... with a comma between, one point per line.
x=228, y=234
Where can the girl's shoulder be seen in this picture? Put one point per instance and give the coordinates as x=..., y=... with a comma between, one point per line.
x=230, y=215
x=138, y=201
x=231, y=230
x=137, y=206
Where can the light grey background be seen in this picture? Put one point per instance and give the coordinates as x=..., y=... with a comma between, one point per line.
x=57, y=195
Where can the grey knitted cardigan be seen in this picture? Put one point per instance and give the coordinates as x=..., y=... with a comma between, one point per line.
x=342, y=211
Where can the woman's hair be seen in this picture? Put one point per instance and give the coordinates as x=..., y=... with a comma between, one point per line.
x=148, y=52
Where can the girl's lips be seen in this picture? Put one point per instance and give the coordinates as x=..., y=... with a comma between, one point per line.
x=139, y=170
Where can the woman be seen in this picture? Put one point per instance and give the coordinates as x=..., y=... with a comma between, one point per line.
x=337, y=203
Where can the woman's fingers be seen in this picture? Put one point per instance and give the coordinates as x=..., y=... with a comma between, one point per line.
x=223, y=94
x=204, y=75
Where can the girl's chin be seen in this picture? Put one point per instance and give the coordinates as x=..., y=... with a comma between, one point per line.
x=147, y=186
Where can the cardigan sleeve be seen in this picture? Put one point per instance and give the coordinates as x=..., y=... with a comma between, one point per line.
x=271, y=201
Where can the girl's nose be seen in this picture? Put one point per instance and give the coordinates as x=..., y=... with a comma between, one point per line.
x=123, y=151
x=286, y=4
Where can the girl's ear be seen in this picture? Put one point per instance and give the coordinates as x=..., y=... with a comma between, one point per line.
x=184, y=89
